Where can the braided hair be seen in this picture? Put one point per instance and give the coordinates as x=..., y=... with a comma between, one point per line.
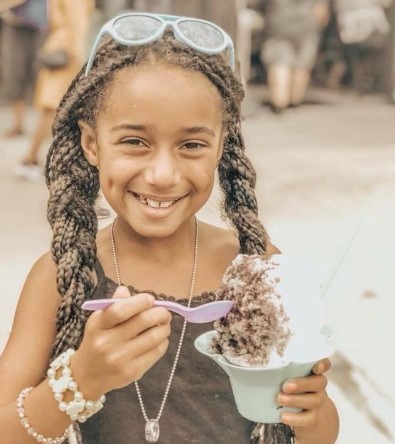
x=74, y=184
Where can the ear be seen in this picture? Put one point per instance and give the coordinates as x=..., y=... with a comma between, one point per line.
x=89, y=143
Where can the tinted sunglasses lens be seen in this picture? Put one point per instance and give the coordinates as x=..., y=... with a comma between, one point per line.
x=136, y=27
x=202, y=34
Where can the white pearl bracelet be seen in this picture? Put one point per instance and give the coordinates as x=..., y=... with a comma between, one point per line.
x=31, y=430
x=78, y=409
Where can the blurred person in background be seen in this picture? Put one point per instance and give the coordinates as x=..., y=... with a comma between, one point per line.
x=330, y=69
x=69, y=22
x=292, y=35
x=24, y=22
x=364, y=30
x=250, y=25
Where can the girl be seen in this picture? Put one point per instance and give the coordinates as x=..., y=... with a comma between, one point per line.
x=153, y=116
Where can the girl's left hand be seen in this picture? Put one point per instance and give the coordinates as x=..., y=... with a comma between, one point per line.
x=306, y=393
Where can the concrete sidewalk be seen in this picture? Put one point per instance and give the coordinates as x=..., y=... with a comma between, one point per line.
x=326, y=189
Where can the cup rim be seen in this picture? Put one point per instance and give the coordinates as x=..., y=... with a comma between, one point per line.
x=329, y=351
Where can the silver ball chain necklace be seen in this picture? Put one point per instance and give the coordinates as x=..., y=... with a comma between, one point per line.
x=152, y=425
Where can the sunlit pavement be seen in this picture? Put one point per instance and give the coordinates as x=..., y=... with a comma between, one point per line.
x=326, y=188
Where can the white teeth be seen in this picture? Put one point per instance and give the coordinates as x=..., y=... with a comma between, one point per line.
x=154, y=203
x=166, y=204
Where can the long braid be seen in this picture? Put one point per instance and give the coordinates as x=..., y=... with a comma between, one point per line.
x=237, y=180
x=74, y=224
x=73, y=183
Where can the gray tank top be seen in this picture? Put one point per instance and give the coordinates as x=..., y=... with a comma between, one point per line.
x=200, y=408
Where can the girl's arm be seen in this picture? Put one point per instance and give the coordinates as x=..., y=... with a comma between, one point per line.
x=43, y=414
x=122, y=342
x=25, y=358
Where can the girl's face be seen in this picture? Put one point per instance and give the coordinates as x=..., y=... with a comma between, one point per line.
x=157, y=143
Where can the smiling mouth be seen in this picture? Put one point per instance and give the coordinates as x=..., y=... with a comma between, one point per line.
x=155, y=203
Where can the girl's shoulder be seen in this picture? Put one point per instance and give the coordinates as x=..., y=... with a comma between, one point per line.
x=217, y=249
x=226, y=242
x=223, y=240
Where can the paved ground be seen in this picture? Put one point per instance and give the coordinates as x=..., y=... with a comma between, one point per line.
x=326, y=187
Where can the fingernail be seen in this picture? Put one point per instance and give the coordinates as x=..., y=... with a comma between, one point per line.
x=289, y=386
x=285, y=417
x=282, y=399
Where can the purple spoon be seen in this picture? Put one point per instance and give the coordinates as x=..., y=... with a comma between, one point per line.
x=197, y=315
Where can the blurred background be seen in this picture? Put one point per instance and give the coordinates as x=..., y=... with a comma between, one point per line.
x=319, y=124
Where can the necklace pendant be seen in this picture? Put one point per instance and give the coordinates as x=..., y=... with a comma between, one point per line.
x=152, y=430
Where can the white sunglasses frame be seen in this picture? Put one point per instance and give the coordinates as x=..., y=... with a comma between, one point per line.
x=166, y=20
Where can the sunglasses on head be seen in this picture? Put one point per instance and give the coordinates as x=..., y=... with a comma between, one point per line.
x=137, y=29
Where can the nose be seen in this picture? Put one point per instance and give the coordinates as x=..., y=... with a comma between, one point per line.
x=163, y=170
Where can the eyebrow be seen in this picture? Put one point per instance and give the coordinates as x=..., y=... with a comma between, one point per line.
x=130, y=126
x=198, y=129
x=187, y=130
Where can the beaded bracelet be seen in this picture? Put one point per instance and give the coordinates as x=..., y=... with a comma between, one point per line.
x=31, y=430
x=78, y=409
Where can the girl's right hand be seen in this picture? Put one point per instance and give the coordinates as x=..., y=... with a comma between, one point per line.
x=120, y=344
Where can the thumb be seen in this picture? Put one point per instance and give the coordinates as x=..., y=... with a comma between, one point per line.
x=322, y=366
x=121, y=292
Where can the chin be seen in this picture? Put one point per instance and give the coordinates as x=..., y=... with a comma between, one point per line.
x=154, y=232
x=155, y=229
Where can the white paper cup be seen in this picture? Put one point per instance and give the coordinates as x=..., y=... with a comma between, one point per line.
x=255, y=389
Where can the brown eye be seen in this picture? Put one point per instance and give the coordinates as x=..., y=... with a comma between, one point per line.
x=193, y=145
x=134, y=142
